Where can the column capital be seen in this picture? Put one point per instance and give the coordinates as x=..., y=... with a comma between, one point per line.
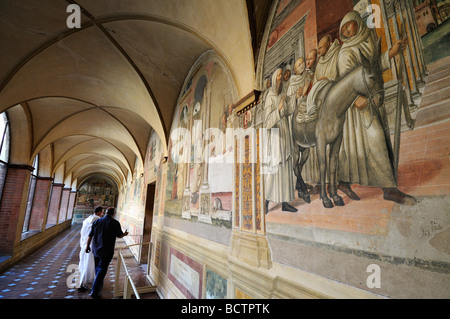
x=58, y=184
x=44, y=178
x=20, y=166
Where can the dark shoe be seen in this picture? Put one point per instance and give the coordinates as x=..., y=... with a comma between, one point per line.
x=395, y=195
x=288, y=208
x=347, y=190
x=95, y=296
x=82, y=289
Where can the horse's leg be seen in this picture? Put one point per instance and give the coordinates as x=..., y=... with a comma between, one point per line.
x=321, y=150
x=297, y=168
x=334, y=161
x=302, y=190
x=299, y=161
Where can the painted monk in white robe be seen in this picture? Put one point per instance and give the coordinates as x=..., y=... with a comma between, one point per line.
x=327, y=65
x=366, y=156
x=86, y=265
x=300, y=80
x=278, y=177
x=298, y=89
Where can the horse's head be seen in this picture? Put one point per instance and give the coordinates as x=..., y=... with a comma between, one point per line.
x=372, y=78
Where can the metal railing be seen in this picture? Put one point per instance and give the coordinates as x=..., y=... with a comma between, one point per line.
x=129, y=288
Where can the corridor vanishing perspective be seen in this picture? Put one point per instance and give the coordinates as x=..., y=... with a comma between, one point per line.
x=262, y=149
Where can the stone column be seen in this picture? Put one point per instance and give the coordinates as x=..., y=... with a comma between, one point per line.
x=249, y=242
x=186, y=203
x=410, y=52
x=205, y=191
x=413, y=44
x=417, y=38
x=392, y=8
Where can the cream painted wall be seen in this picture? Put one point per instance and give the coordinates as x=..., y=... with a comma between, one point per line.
x=46, y=162
x=230, y=18
x=20, y=136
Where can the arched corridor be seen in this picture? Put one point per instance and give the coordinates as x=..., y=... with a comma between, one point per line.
x=84, y=88
x=267, y=149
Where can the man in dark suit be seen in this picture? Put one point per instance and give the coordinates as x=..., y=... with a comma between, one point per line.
x=103, y=237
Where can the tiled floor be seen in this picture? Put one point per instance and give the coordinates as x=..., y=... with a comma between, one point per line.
x=47, y=272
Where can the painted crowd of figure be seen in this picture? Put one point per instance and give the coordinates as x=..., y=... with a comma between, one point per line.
x=332, y=112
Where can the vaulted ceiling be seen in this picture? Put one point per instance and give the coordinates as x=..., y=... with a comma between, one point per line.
x=94, y=94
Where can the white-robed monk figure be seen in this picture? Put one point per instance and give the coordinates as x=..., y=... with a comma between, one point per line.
x=300, y=81
x=87, y=265
x=278, y=177
x=327, y=67
x=366, y=156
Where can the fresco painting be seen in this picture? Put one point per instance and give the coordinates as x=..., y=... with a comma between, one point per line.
x=186, y=274
x=264, y=149
x=410, y=175
x=216, y=286
x=197, y=180
x=357, y=189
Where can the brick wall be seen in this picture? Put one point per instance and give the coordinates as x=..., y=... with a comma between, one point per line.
x=305, y=7
x=329, y=16
x=3, y=170
x=16, y=181
x=323, y=17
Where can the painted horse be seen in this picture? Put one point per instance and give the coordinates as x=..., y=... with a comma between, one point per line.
x=327, y=127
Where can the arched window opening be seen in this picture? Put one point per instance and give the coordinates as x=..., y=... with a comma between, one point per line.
x=53, y=206
x=30, y=197
x=4, y=149
x=50, y=222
